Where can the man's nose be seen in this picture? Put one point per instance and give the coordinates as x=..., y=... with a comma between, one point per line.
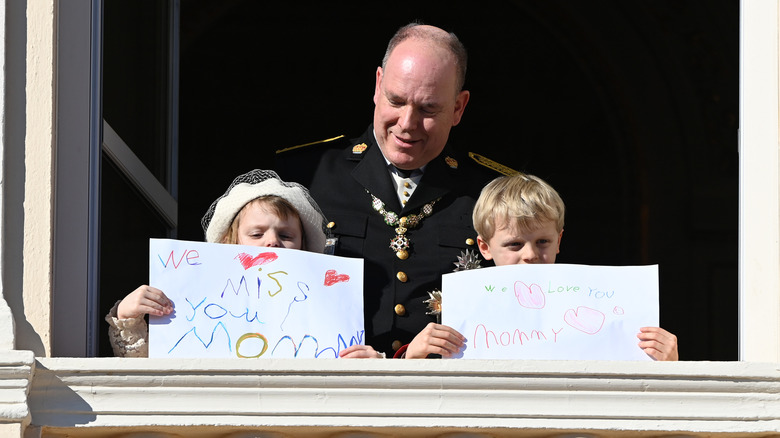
x=408, y=118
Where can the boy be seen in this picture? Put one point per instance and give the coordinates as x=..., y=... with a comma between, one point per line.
x=519, y=220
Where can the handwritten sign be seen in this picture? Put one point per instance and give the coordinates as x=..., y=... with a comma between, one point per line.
x=248, y=302
x=554, y=311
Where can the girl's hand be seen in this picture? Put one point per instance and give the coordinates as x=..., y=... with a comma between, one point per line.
x=145, y=299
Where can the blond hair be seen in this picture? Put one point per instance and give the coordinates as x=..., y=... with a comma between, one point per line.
x=275, y=205
x=523, y=200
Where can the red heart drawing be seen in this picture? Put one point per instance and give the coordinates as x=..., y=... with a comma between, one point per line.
x=332, y=278
x=531, y=296
x=585, y=319
x=247, y=261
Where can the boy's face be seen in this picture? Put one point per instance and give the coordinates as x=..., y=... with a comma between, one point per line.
x=510, y=246
x=259, y=227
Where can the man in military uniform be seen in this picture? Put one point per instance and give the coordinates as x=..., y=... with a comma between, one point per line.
x=398, y=197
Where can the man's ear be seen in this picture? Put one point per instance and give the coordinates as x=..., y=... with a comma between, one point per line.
x=378, y=83
x=484, y=248
x=460, y=106
x=560, y=237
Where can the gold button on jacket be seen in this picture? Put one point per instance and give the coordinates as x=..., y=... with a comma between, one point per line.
x=400, y=310
x=401, y=276
x=396, y=345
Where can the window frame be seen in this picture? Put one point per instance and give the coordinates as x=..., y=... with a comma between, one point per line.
x=759, y=232
x=79, y=142
x=83, y=139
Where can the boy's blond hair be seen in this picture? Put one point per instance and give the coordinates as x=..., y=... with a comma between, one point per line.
x=525, y=200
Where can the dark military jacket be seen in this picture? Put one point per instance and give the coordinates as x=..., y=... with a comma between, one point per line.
x=340, y=177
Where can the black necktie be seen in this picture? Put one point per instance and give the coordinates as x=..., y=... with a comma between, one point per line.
x=403, y=173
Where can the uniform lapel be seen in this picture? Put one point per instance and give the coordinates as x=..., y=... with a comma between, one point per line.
x=437, y=181
x=371, y=172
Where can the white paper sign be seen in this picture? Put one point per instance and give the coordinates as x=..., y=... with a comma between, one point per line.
x=247, y=301
x=552, y=311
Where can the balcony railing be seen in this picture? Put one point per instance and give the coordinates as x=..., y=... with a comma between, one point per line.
x=101, y=397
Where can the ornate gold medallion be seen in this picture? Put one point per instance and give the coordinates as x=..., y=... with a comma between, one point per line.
x=400, y=243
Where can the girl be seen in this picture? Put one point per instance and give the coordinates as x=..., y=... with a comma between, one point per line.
x=258, y=209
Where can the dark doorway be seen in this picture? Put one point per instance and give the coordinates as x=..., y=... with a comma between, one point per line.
x=629, y=109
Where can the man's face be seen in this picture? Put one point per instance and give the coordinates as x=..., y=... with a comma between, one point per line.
x=416, y=103
x=510, y=246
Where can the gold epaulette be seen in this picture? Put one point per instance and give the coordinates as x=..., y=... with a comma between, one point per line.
x=308, y=144
x=490, y=164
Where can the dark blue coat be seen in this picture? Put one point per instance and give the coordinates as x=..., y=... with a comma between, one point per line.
x=338, y=179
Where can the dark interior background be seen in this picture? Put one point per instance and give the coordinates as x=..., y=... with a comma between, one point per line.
x=629, y=109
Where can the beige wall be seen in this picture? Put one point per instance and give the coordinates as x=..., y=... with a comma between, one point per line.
x=38, y=191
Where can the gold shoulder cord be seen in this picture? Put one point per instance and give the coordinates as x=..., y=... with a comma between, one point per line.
x=308, y=144
x=490, y=164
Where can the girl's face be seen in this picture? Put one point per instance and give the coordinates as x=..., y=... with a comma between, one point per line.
x=257, y=226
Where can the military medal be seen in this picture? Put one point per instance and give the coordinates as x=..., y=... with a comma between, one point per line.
x=467, y=260
x=434, y=304
x=400, y=243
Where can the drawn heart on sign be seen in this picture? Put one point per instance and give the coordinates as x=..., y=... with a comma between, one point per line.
x=585, y=319
x=531, y=296
x=331, y=277
x=247, y=261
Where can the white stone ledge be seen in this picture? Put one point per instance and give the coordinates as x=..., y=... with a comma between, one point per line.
x=420, y=397
x=16, y=371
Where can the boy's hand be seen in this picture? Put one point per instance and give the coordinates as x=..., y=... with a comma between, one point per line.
x=658, y=343
x=359, y=352
x=145, y=299
x=435, y=339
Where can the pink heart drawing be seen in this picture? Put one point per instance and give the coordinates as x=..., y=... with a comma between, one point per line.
x=531, y=297
x=332, y=278
x=585, y=319
x=247, y=261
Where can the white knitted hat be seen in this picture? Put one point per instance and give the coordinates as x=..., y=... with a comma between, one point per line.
x=257, y=183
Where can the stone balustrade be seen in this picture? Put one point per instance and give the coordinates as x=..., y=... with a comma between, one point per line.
x=53, y=397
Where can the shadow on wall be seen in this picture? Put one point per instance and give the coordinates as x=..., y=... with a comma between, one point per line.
x=49, y=394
